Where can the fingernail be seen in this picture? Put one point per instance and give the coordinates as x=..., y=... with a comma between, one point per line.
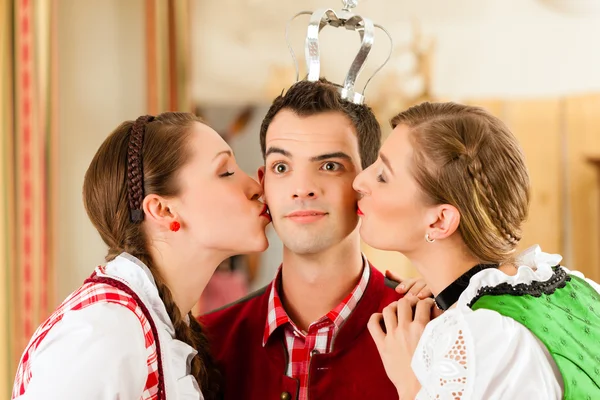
x=401, y=287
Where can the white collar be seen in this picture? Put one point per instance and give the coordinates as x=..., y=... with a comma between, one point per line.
x=533, y=265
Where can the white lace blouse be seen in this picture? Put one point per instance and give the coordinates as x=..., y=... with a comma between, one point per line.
x=466, y=354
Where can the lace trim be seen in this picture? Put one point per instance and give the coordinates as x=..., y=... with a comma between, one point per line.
x=558, y=280
x=447, y=363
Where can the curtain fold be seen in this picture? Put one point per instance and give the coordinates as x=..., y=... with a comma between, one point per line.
x=168, y=61
x=28, y=171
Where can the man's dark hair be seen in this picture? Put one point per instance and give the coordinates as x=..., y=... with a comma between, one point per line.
x=306, y=98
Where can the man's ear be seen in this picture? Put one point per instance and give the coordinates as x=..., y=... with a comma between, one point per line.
x=261, y=176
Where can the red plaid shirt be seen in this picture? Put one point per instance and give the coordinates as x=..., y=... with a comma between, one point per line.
x=319, y=338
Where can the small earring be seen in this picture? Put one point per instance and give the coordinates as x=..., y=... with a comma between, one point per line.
x=174, y=226
x=428, y=239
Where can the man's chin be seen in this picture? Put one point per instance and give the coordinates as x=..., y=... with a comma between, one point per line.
x=308, y=247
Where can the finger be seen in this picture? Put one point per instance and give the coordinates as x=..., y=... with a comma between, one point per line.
x=423, y=311
x=374, y=327
x=417, y=287
x=390, y=317
x=405, y=309
x=425, y=292
x=406, y=285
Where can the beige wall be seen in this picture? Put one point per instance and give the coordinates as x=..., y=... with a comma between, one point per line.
x=491, y=48
x=101, y=84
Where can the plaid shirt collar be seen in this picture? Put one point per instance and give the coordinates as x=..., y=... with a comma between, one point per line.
x=277, y=316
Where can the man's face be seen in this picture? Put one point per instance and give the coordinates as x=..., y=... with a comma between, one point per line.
x=310, y=165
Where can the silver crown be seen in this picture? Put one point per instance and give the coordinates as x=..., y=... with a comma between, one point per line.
x=347, y=19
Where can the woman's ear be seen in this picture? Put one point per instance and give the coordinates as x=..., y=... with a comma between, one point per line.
x=444, y=221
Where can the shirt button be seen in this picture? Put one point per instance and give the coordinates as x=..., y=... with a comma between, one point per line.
x=285, y=396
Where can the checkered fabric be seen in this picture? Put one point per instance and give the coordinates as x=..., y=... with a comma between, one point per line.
x=302, y=345
x=98, y=290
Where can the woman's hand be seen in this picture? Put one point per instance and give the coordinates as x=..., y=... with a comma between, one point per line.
x=396, y=332
x=414, y=286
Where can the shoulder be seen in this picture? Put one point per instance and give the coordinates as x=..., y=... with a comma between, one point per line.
x=237, y=325
x=109, y=324
x=580, y=275
x=102, y=309
x=385, y=287
x=248, y=307
x=534, y=267
x=485, y=329
x=104, y=337
x=477, y=348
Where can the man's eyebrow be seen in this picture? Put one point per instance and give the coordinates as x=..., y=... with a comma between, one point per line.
x=278, y=150
x=327, y=156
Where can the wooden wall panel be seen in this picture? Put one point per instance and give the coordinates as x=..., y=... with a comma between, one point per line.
x=537, y=125
x=583, y=194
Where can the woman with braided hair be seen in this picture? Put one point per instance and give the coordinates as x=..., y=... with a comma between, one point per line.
x=450, y=190
x=169, y=201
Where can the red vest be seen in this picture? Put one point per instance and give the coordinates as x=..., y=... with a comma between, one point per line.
x=100, y=289
x=352, y=370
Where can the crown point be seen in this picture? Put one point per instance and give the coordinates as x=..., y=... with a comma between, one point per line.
x=348, y=4
x=344, y=18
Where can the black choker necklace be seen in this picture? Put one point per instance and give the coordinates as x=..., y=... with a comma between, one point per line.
x=450, y=295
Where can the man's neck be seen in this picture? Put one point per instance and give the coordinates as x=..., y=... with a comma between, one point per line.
x=314, y=284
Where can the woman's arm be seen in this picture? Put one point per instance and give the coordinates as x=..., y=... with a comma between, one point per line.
x=484, y=355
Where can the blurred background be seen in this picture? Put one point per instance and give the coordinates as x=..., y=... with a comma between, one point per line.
x=72, y=70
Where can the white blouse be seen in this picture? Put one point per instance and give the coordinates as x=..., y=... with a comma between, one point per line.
x=466, y=354
x=98, y=353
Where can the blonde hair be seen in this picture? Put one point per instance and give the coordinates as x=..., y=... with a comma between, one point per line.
x=466, y=157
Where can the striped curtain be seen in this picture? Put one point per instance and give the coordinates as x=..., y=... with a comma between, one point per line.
x=27, y=172
x=168, y=58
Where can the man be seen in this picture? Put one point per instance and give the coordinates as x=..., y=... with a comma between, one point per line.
x=304, y=336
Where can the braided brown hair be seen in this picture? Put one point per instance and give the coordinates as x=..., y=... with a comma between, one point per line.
x=113, y=191
x=135, y=171
x=465, y=157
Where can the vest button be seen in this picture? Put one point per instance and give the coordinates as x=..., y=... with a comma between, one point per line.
x=286, y=396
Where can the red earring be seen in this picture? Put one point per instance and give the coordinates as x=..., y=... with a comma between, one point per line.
x=175, y=226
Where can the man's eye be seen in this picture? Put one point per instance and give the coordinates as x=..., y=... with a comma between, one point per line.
x=331, y=166
x=280, y=168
